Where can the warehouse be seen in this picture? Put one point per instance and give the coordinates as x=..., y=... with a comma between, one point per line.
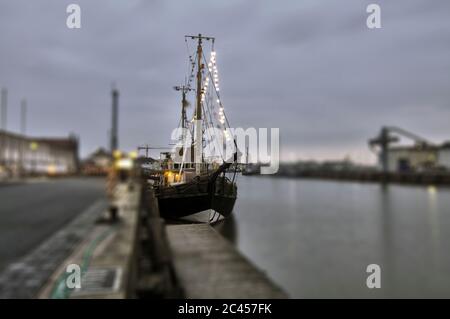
x=412, y=158
x=419, y=158
x=444, y=156
x=24, y=155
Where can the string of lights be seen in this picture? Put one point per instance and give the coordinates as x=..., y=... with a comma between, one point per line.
x=210, y=90
x=213, y=73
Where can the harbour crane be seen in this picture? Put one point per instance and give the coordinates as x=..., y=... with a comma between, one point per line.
x=385, y=138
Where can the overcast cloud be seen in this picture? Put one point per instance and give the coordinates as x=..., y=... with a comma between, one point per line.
x=311, y=68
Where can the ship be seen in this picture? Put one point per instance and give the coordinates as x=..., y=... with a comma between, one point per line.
x=185, y=188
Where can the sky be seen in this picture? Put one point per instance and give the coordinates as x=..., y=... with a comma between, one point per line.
x=311, y=68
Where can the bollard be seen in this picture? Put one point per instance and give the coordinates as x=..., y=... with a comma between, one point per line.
x=113, y=214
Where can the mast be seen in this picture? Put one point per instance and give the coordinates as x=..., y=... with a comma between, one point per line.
x=183, y=109
x=184, y=103
x=114, y=119
x=246, y=156
x=198, y=134
x=198, y=111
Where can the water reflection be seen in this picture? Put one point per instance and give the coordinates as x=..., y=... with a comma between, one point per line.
x=228, y=229
x=316, y=238
x=388, y=255
x=433, y=221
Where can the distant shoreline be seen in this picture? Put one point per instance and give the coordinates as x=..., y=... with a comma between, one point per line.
x=442, y=179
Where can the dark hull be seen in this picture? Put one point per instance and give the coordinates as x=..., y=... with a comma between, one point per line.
x=181, y=206
x=202, y=193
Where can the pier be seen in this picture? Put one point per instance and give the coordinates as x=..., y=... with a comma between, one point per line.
x=139, y=255
x=209, y=267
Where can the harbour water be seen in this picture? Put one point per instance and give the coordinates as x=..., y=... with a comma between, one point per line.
x=316, y=238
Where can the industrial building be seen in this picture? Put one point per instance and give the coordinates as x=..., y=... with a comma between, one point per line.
x=422, y=156
x=419, y=158
x=412, y=158
x=443, y=157
x=24, y=155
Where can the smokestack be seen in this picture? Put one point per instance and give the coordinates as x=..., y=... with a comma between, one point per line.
x=23, y=116
x=4, y=108
x=115, y=118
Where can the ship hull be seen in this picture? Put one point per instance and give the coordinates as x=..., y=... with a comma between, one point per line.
x=173, y=207
x=200, y=194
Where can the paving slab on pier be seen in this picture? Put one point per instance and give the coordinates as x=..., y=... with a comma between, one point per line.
x=208, y=266
x=25, y=277
x=106, y=256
